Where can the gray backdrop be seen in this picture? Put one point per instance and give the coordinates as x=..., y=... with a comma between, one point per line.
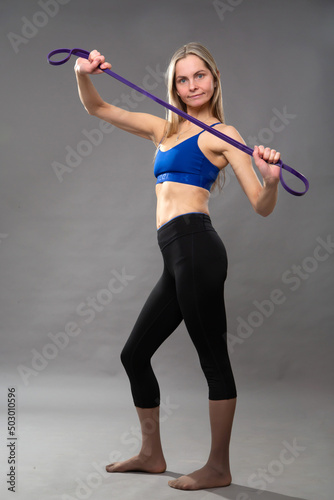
x=78, y=248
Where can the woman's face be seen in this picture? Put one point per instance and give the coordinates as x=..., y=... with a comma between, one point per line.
x=194, y=81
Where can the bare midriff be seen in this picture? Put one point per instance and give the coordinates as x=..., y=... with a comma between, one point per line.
x=175, y=199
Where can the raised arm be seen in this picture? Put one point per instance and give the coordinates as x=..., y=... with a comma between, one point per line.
x=263, y=197
x=141, y=124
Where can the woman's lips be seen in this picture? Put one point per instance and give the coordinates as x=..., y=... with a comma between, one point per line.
x=195, y=96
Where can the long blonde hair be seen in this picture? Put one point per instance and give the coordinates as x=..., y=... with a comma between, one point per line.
x=216, y=108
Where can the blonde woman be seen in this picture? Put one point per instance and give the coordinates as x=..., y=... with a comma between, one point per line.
x=188, y=164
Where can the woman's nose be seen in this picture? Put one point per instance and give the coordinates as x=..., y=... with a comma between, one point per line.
x=192, y=85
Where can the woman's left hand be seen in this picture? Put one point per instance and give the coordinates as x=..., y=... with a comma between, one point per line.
x=265, y=159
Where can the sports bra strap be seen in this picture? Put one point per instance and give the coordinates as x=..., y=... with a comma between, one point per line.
x=218, y=123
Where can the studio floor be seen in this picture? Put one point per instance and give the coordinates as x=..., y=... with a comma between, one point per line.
x=69, y=429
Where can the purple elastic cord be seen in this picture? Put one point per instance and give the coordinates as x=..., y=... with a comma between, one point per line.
x=85, y=54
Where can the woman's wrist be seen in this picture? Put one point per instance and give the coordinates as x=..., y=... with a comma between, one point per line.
x=78, y=70
x=270, y=183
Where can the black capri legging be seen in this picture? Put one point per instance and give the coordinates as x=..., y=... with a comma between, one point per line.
x=191, y=288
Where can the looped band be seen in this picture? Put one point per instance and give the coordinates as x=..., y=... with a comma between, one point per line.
x=85, y=54
x=75, y=52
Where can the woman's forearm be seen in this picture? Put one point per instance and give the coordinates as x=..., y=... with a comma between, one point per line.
x=267, y=198
x=88, y=94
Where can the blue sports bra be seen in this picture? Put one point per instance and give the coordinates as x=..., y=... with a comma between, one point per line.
x=185, y=163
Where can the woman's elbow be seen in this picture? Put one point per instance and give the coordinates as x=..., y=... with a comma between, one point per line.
x=95, y=110
x=264, y=213
x=92, y=111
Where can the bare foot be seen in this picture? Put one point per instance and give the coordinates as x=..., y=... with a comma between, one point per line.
x=139, y=463
x=203, y=478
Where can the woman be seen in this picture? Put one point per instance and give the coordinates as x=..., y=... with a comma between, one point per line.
x=191, y=287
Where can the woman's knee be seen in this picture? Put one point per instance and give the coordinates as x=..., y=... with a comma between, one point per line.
x=126, y=357
x=133, y=360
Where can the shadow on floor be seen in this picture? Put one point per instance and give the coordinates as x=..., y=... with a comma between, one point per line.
x=238, y=492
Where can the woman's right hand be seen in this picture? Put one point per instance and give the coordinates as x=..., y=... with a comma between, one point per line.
x=91, y=65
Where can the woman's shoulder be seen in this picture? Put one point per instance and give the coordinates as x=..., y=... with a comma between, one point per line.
x=226, y=128
x=217, y=144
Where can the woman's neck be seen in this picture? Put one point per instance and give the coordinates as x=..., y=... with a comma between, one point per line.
x=203, y=113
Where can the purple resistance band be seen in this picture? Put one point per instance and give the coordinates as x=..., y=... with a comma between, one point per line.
x=85, y=54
